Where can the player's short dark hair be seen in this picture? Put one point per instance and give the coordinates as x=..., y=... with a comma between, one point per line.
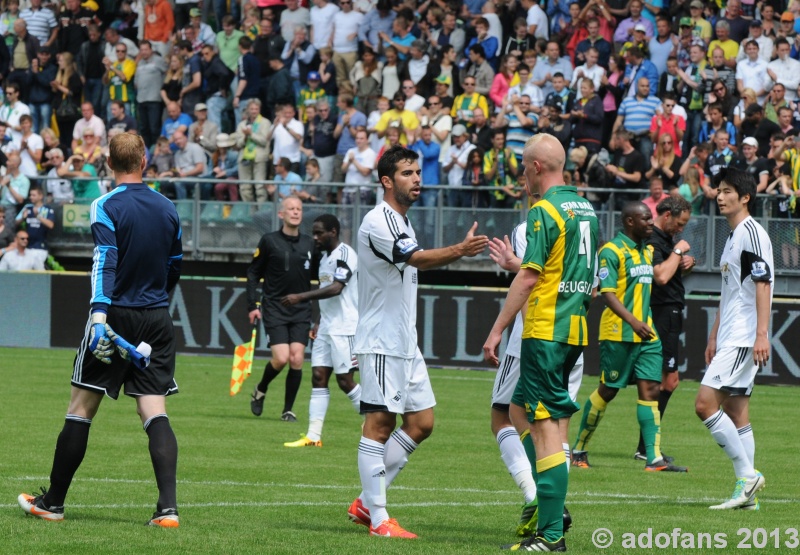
x=741, y=181
x=387, y=165
x=631, y=208
x=329, y=223
x=674, y=205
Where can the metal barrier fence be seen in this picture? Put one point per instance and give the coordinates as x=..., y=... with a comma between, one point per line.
x=234, y=228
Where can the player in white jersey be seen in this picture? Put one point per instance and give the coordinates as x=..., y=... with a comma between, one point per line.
x=394, y=378
x=332, y=352
x=739, y=341
x=509, y=422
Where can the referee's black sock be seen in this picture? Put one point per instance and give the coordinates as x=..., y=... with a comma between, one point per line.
x=269, y=374
x=70, y=449
x=164, y=455
x=663, y=399
x=293, y=379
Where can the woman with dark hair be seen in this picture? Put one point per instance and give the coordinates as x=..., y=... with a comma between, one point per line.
x=611, y=94
x=366, y=80
x=390, y=73
x=719, y=91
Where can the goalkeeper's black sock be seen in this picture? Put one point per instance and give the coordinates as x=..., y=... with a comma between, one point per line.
x=293, y=379
x=164, y=455
x=70, y=449
x=269, y=374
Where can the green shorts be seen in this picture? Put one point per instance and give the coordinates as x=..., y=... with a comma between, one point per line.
x=623, y=363
x=543, y=386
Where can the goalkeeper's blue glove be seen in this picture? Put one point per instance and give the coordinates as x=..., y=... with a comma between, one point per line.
x=139, y=356
x=100, y=342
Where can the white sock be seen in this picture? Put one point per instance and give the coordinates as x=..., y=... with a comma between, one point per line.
x=398, y=449
x=723, y=430
x=749, y=442
x=317, y=408
x=513, y=454
x=355, y=397
x=373, y=478
x=567, y=453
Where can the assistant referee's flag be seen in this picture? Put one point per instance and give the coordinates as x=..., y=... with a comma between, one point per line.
x=243, y=362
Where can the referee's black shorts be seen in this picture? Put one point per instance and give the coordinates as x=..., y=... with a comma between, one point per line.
x=287, y=333
x=151, y=325
x=668, y=320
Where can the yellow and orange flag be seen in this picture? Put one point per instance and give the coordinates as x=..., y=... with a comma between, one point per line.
x=242, y=362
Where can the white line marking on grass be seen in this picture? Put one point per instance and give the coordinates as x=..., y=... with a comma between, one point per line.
x=268, y=485
x=343, y=504
x=574, y=497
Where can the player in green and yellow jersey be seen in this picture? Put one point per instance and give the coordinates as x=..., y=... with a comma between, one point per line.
x=554, y=287
x=629, y=348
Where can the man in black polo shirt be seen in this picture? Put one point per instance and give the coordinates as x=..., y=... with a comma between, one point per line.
x=670, y=262
x=283, y=259
x=753, y=164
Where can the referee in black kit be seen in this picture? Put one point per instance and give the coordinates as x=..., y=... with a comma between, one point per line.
x=283, y=259
x=671, y=260
x=137, y=261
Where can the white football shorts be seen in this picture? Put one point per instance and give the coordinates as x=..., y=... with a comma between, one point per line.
x=732, y=370
x=394, y=384
x=334, y=351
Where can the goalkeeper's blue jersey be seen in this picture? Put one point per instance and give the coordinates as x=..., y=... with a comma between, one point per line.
x=138, y=251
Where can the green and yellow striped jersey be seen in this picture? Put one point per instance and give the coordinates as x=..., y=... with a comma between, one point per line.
x=562, y=244
x=626, y=269
x=119, y=89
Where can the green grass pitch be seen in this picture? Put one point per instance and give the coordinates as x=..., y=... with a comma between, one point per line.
x=241, y=491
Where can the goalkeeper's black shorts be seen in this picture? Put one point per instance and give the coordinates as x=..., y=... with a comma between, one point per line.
x=151, y=325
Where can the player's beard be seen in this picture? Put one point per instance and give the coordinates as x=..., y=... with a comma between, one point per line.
x=404, y=198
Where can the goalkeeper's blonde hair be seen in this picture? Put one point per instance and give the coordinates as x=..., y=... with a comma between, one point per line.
x=126, y=154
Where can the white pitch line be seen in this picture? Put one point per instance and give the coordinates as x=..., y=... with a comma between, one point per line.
x=573, y=497
x=342, y=504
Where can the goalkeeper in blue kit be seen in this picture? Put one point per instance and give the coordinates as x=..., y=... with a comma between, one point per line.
x=137, y=261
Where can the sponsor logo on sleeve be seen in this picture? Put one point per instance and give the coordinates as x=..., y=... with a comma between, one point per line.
x=759, y=269
x=406, y=245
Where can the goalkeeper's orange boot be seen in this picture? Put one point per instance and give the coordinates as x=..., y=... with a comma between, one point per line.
x=35, y=506
x=166, y=518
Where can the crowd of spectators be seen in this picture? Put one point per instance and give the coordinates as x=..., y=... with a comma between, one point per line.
x=654, y=98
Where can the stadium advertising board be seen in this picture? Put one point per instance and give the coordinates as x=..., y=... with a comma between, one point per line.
x=210, y=317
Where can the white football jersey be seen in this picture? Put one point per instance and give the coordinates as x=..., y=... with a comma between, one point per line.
x=747, y=258
x=339, y=315
x=519, y=242
x=387, y=285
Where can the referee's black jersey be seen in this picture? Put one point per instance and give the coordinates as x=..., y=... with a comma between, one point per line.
x=673, y=291
x=285, y=264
